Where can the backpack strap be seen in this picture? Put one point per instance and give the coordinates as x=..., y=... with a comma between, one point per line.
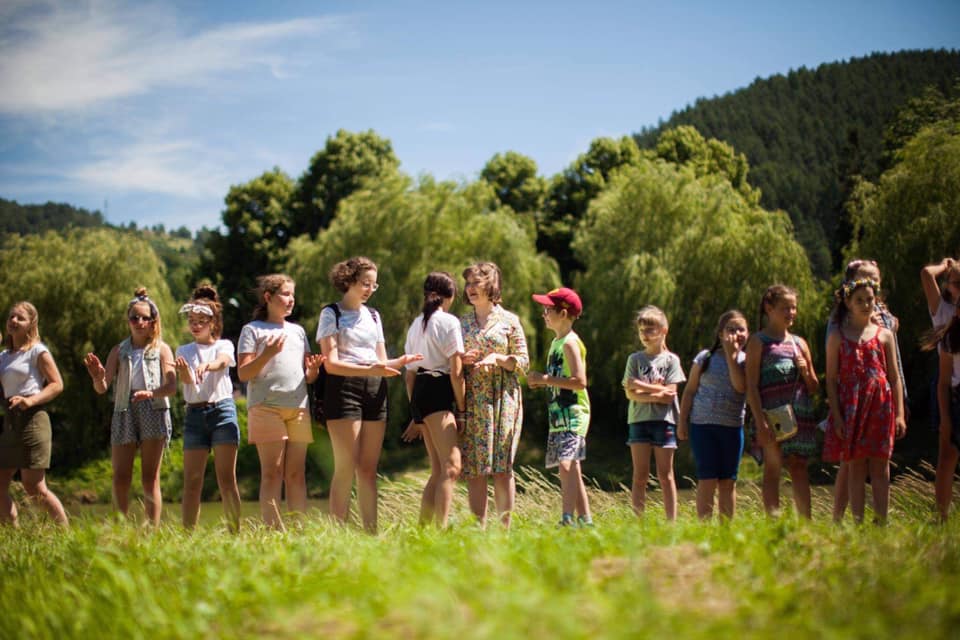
x=374, y=314
x=336, y=312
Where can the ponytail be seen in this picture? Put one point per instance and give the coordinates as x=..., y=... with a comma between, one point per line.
x=438, y=287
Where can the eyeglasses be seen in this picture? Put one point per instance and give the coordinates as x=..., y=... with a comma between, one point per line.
x=373, y=287
x=547, y=310
x=200, y=321
x=138, y=318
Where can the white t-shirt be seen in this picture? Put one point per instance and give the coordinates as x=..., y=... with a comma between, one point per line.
x=20, y=372
x=216, y=385
x=438, y=342
x=358, y=336
x=282, y=382
x=945, y=311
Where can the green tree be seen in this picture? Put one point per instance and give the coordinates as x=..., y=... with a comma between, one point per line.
x=710, y=159
x=571, y=191
x=515, y=182
x=257, y=231
x=340, y=168
x=692, y=245
x=410, y=229
x=908, y=218
x=81, y=282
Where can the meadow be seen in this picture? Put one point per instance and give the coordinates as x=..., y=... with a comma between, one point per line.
x=755, y=577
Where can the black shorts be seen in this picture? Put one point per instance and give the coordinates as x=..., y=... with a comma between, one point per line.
x=355, y=398
x=430, y=395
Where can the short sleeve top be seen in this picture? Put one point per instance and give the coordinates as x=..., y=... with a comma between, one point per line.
x=358, y=335
x=663, y=368
x=216, y=385
x=716, y=401
x=282, y=381
x=438, y=342
x=20, y=371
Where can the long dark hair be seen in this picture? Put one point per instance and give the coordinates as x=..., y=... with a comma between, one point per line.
x=847, y=288
x=774, y=294
x=948, y=335
x=727, y=316
x=438, y=286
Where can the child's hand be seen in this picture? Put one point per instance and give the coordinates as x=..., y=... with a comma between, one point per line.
x=489, y=362
x=381, y=369
x=183, y=369
x=470, y=357
x=839, y=426
x=20, y=403
x=536, y=379
x=94, y=367
x=142, y=396
x=901, y=428
x=414, y=431
x=274, y=344
x=765, y=436
x=312, y=362
x=732, y=343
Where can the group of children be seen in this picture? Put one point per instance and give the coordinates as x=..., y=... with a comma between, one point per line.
x=764, y=380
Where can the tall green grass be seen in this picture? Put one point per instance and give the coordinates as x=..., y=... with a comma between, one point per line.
x=755, y=577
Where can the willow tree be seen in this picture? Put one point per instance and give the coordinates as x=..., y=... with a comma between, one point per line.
x=691, y=245
x=410, y=229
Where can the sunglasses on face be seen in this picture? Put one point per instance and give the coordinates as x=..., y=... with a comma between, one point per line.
x=134, y=318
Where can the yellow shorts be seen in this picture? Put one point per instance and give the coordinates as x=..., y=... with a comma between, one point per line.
x=274, y=424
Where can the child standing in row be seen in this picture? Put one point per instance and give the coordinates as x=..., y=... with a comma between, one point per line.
x=203, y=367
x=865, y=395
x=947, y=342
x=276, y=363
x=650, y=382
x=711, y=415
x=569, y=409
x=30, y=379
x=142, y=367
x=780, y=373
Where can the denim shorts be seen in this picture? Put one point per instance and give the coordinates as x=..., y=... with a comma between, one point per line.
x=717, y=450
x=207, y=426
x=658, y=433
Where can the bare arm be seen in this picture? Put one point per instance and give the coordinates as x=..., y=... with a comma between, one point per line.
x=752, y=373
x=457, y=382
x=928, y=280
x=896, y=384
x=102, y=375
x=833, y=392
x=943, y=396
x=805, y=367
x=250, y=364
x=578, y=373
x=686, y=402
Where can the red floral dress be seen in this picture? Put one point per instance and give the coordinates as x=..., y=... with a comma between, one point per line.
x=866, y=400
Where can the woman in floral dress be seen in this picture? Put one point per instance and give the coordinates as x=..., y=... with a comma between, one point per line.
x=496, y=354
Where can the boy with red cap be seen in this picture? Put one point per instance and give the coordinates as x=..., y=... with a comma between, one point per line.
x=569, y=409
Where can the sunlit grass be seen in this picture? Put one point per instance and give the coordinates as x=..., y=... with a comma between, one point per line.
x=627, y=577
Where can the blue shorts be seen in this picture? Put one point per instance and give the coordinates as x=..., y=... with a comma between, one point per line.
x=212, y=424
x=717, y=450
x=658, y=433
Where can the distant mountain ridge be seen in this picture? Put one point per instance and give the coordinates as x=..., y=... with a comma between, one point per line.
x=805, y=133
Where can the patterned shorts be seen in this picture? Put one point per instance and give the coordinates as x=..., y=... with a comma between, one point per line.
x=140, y=422
x=565, y=446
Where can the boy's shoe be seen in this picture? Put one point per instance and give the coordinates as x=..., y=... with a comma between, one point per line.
x=566, y=520
x=583, y=522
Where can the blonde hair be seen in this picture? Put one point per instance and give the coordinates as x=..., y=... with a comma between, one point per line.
x=33, y=330
x=140, y=297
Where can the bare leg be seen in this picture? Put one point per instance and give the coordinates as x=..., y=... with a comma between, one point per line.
x=443, y=437
x=194, y=466
x=664, y=459
x=477, y=497
x=225, y=463
x=368, y=458
x=151, y=455
x=271, y=481
x=705, y=492
x=294, y=476
x=800, y=479
x=857, y=480
x=35, y=485
x=640, y=454
x=946, y=466
x=728, y=497
x=582, y=502
x=841, y=492
x=504, y=495
x=121, y=459
x=344, y=437
x=428, y=497
x=771, y=477
x=880, y=487
x=8, y=508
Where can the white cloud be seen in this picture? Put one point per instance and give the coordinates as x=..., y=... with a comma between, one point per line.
x=67, y=56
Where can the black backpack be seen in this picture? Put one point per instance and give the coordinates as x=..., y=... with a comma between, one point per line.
x=316, y=389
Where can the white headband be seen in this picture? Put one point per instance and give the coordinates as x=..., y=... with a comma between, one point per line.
x=196, y=308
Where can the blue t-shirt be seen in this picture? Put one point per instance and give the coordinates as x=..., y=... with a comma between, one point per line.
x=663, y=368
x=716, y=401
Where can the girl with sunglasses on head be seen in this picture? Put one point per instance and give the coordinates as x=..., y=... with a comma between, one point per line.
x=141, y=368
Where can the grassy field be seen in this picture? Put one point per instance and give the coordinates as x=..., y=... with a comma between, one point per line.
x=627, y=577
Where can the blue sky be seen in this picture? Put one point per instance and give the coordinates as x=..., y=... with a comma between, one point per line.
x=155, y=109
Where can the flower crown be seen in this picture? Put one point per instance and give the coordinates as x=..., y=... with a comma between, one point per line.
x=849, y=286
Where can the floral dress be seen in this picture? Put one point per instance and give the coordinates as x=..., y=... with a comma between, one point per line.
x=780, y=384
x=866, y=400
x=494, y=403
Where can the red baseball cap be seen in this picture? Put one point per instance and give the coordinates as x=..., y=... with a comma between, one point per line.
x=562, y=298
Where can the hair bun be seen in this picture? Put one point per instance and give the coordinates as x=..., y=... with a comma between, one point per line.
x=206, y=291
x=141, y=292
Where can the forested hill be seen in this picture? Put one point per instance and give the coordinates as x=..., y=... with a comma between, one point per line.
x=37, y=218
x=807, y=132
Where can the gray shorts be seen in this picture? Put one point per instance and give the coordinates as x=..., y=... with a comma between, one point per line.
x=140, y=422
x=565, y=446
